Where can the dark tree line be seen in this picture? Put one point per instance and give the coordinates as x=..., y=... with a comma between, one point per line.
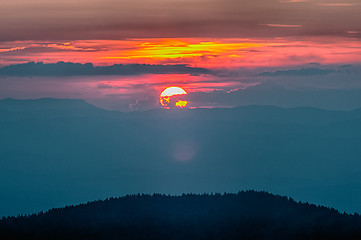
x=246, y=215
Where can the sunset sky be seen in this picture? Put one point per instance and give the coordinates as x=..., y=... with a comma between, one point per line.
x=116, y=97
x=216, y=46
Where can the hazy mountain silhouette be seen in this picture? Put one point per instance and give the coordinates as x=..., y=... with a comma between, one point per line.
x=246, y=215
x=59, y=152
x=270, y=93
x=48, y=108
x=43, y=104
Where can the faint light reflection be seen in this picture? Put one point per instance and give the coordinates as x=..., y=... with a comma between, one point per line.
x=184, y=151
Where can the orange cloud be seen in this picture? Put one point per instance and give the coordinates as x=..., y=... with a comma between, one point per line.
x=196, y=52
x=172, y=48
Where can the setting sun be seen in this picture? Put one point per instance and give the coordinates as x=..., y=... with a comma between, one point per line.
x=169, y=98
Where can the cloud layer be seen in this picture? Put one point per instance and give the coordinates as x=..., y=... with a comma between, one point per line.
x=196, y=52
x=111, y=19
x=137, y=86
x=77, y=69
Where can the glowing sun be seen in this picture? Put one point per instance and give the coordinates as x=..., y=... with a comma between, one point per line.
x=171, y=97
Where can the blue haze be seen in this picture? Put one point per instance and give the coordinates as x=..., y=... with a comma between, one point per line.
x=55, y=152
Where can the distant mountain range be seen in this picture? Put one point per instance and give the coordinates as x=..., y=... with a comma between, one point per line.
x=262, y=113
x=246, y=215
x=43, y=104
x=57, y=152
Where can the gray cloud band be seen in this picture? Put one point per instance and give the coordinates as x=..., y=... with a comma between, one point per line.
x=78, y=69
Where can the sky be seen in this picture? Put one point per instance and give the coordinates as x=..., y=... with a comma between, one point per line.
x=214, y=46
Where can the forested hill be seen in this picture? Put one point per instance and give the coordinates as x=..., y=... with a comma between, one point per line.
x=246, y=215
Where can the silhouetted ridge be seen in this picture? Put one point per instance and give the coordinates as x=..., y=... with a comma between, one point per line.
x=18, y=105
x=246, y=215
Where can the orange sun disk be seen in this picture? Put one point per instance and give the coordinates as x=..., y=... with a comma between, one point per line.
x=169, y=97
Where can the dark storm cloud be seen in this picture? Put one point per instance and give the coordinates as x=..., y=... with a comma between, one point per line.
x=78, y=69
x=111, y=19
